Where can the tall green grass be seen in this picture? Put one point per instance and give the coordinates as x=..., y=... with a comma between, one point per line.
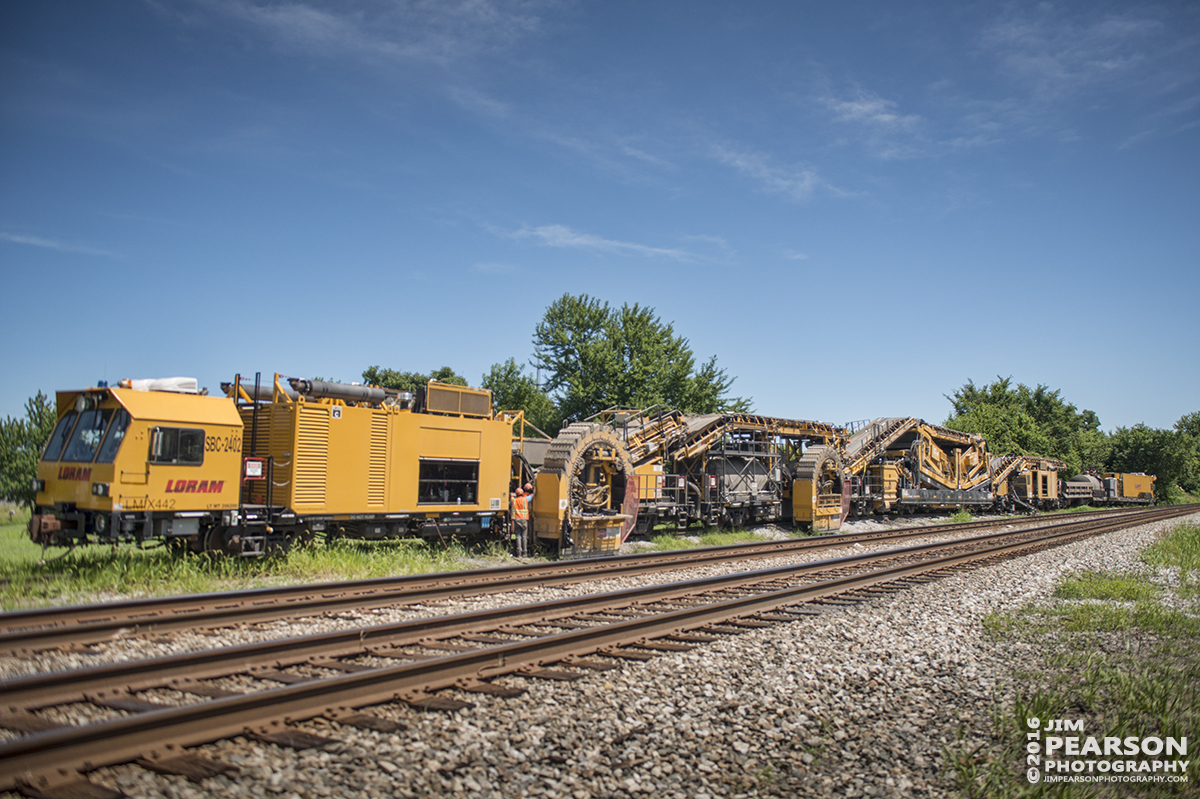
x=31, y=577
x=1180, y=549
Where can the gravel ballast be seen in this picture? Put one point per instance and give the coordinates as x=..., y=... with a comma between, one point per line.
x=857, y=701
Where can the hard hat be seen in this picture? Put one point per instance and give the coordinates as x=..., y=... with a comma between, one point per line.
x=528, y=487
x=520, y=493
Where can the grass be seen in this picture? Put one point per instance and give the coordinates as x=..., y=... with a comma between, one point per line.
x=29, y=577
x=670, y=541
x=1111, y=655
x=1179, y=550
x=1117, y=588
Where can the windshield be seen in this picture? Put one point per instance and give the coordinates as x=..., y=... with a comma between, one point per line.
x=59, y=437
x=87, y=436
x=116, y=434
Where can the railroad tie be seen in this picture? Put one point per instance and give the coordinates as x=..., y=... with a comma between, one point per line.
x=445, y=704
x=75, y=787
x=589, y=663
x=556, y=675
x=187, y=764
x=23, y=721
x=489, y=689
x=129, y=704
x=665, y=646
x=275, y=675
x=203, y=689
x=291, y=738
x=367, y=721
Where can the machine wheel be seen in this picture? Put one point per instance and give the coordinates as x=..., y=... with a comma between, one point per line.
x=222, y=541
x=822, y=466
x=575, y=451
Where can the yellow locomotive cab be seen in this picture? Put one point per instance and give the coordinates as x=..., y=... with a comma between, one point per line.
x=132, y=464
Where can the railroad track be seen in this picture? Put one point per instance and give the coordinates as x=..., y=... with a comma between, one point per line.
x=24, y=632
x=336, y=676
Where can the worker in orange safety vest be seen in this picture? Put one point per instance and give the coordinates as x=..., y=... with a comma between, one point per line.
x=520, y=515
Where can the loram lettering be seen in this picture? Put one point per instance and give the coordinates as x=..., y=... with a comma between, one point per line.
x=195, y=486
x=74, y=473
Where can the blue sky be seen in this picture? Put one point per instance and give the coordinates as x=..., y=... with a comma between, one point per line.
x=855, y=206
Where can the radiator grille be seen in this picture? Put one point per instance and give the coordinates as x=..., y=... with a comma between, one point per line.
x=377, y=460
x=444, y=398
x=312, y=456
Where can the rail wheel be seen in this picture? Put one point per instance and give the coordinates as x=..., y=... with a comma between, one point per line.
x=222, y=541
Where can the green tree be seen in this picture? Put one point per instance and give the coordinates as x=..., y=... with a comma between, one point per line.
x=1188, y=430
x=513, y=390
x=1162, y=453
x=1024, y=421
x=598, y=357
x=21, y=444
x=410, y=381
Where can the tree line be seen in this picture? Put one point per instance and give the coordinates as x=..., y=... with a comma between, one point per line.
x=1038, y=421
x=589, y=356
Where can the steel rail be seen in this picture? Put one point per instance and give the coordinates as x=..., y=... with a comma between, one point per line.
x=26, y=631
x=62, y=754
x=56, y=687
x=25, y=642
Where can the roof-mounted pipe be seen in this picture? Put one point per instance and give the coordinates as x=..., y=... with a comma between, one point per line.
x=320, y=389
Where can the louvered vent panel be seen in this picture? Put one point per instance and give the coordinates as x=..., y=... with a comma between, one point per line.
x=444, y=398
x=312, y=456
x=273, y=438
x=377, y=466
x=476, y=403
x=282, y=419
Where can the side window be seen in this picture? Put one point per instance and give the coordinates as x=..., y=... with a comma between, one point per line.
x=180, y=446
x=448, y=482
x=87, y=436
x=116, y=434
x=58, y=438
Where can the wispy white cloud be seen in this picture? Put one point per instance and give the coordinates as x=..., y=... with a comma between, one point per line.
x=1058, y=64
x=50, y=244
x=878, y=125
x=477, y=102
x=563, y=236
x=438, y=31
x=794, y=255
x=873, y=111
x=1055, y=56
x=799, y=184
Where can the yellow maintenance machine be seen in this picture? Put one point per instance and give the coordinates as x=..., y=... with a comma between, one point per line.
x=730, y=469
x=1026, y=482
x=366, y=462
x=148, y=459
x=1110, y=488
x=905, y=464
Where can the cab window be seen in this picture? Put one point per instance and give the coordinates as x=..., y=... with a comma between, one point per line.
x=58, y=438
x=180, y=446
x=89, y=432
x=116, y=434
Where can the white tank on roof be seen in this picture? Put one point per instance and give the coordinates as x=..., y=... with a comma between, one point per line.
x=179, y=385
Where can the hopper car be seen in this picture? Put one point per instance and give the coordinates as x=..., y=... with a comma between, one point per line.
x=266, y=465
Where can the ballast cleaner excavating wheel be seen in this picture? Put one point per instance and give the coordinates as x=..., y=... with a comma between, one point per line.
x=817, y=495
x=586, y=497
